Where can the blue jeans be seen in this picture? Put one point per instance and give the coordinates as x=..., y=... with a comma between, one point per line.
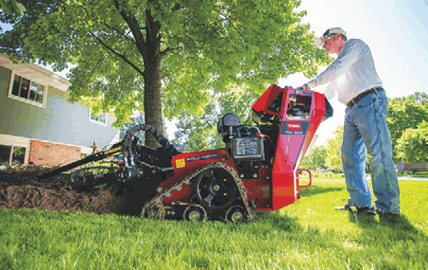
x=366, y=128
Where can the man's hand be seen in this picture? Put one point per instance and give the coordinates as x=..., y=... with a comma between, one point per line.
x=304, y=87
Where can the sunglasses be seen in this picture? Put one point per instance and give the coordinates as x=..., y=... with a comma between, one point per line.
x=327, y=39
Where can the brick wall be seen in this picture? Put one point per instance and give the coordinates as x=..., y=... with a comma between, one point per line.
x=416, y=166
x=45, y=153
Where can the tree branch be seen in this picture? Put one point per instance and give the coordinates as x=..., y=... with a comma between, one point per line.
x=135, y=29
x=107, y=25
x=125, y=35
x=166, y=51
x=117, y=54
x=227, y=18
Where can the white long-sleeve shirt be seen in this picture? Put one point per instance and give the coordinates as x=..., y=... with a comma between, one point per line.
x=355, y=62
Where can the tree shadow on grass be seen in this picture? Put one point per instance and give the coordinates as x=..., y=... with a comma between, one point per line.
x=276, y=220
x=268, y=222
x=399, y=222
x=397, y=225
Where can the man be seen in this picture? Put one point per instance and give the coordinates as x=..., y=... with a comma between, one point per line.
x=365, y=123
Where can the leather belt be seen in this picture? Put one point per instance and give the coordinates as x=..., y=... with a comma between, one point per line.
x=364, y=94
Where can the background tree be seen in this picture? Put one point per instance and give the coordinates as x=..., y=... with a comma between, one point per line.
x=204, y=128
x=198, y=133
x=404, y=113
x=424, y=127
x=333, y=160
x=316, y=159
x=162, y=57
x=412, y=146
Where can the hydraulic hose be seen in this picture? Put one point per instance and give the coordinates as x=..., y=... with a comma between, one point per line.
x=129, y=148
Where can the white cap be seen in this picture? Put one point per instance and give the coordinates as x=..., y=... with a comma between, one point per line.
x=331, y=31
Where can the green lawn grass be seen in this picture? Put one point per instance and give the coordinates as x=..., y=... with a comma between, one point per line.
x=309, y=234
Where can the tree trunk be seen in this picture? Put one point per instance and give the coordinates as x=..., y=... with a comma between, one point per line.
x=152, y=99
x=152, y=79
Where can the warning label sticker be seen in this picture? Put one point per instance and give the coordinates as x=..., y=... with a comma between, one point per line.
x=180, y=163
x=113, y=150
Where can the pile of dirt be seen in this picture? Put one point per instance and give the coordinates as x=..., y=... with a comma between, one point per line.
x=24, y=190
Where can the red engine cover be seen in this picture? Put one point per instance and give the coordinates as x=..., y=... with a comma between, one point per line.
x=296, y=134
x=277, y=186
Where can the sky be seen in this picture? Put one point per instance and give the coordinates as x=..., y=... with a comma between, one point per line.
x=396, y=32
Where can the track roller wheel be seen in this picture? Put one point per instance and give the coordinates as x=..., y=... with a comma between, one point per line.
x=235, y=214
x=150, y=213
x=195, y=213
x=216, y=188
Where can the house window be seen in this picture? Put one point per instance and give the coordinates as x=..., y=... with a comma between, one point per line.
x=27, y=91
x=4, y=155
x=100, y=118
x=11, y=155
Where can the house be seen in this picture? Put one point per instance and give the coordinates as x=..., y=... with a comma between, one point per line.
x=421, y=167
x=37, y=123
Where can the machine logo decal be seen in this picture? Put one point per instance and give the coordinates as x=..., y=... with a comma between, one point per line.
x=201, y=157
x=180, y=163
x=294, y=128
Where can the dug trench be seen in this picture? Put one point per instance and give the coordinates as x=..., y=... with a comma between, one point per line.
x=24, y=190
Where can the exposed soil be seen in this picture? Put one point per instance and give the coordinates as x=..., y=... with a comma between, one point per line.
x=24, y=190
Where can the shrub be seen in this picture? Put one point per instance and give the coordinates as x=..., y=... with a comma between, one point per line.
x=421, y=174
